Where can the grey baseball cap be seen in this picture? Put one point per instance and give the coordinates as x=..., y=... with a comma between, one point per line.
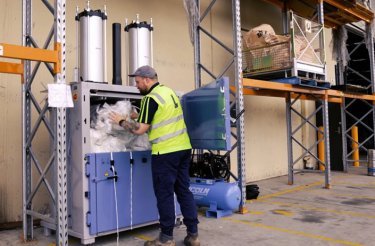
x=145, y=71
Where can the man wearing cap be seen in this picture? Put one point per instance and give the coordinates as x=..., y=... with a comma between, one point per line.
x=161, y=115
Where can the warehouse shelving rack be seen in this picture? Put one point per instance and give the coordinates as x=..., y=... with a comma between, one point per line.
x=235, y=62
x=364, y=120
x=293, y=97
x=344, y=13
x=54, y=120
x=57, y=128
x=330, y=13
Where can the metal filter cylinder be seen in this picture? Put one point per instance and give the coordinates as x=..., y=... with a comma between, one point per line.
x=92, y=50
x=139, y=46
x=371, y=162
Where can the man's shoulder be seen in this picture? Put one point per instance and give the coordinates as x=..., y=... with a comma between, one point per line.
x=164, y=87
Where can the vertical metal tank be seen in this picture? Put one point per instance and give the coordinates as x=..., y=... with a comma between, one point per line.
x=92, y=45
x=139, y=45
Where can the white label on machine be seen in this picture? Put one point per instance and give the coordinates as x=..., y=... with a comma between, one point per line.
x=1, y=50
x=59, y=96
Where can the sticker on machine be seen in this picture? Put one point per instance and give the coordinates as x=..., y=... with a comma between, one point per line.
x=59, y=96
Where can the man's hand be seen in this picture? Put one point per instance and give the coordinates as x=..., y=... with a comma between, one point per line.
x=134, y=115
x=127, y=123
x=115, y=117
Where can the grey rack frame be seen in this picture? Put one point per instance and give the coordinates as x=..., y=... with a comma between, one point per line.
x=55, y=125
x=236, y=61
x=347, y=113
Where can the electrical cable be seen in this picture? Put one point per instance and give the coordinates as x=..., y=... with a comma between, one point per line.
x=131, y=190
x=115, y=191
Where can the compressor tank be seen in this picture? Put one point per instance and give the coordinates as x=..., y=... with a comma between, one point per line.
x=139, y=46
x=227, y=196
x=92, y=50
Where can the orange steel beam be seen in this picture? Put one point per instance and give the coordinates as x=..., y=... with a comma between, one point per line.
x=253, y=83
x=12, y=68
x=357, y=12
x=267, y=88
x=334, y=100
x=57, y=65
x=351, y=11
x=360, y=96
x=268, y=93
x=28, y=53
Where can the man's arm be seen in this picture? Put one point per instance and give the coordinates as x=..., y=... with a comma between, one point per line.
x=134, y=126
x=129, y=124
x=143, y=128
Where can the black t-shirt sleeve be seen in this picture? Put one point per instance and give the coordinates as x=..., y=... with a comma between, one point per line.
x=148, y=109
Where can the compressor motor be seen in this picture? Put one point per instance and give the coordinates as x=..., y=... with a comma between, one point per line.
x=210, y=166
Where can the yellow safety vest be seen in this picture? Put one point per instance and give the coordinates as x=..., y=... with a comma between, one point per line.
x=168, y=130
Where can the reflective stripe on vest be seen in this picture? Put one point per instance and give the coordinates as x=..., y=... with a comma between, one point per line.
x=166, y=122
x=158, y=96
x=168, y=136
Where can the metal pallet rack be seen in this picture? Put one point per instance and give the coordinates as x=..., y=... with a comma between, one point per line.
x=56, y=128
x=298, y=149
x=235, y=51
x=338, y=14
x=364, y=120
x=292, y=95
x=246, y=85
x=53, y=119
x=306, y=121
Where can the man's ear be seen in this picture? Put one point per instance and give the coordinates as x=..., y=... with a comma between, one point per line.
x=149, y=81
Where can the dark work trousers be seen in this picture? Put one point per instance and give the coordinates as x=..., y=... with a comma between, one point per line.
x=170, y=174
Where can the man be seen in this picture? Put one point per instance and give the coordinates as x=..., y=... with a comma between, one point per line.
x=161, y=115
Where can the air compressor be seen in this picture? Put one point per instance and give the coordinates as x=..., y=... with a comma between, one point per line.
x=222, y=198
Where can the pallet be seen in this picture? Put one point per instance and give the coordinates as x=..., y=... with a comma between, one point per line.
x=305, y=82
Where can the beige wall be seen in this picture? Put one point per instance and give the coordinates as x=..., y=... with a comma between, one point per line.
x=10, y=126
x=265, y=125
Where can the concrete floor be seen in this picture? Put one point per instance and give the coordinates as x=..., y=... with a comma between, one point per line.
x=302, y=214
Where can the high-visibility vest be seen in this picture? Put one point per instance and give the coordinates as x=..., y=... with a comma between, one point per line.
x=168, y=131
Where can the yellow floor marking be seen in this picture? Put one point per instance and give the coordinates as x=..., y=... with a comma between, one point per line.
x=310, y=208
x=143, y=237
x=294, y=232
x=256, y=212
x=282, y=212
x=283, y=192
